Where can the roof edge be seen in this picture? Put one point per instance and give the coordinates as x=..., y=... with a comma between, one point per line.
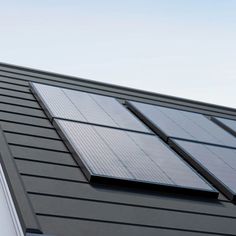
x=120, y=87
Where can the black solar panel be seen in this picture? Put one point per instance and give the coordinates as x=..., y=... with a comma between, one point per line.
x=168, y=122
x=56, y=103
x=129, y=156
x=86, y=107
x=111, y=144
x=218, y=164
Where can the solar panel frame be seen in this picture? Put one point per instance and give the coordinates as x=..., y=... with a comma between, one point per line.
x=87, y=105
x=125, y=120
x=150, y=124
x=208, y=133
x=134, y=123
x=40, y=100
x=95, y=178
x=222, y=122
x=211, y=177
x=100, y=179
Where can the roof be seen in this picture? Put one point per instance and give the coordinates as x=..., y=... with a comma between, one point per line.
x=50, y=191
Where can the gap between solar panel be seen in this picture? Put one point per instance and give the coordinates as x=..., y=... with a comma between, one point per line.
x=86, y=107
x=178, y=127
x=216, y=164
x=170, y=122
x=105, y=126
x=227, y=124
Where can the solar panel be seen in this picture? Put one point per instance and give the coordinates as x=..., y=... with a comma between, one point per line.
x=227, y=124
x=129, y=156
x=86, y=107
x=169, y=122
x=55, y=102
x=218, y=164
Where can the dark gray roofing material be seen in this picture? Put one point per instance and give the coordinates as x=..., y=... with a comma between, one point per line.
x=64, y=202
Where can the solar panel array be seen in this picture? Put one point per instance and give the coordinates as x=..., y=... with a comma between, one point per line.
x=86, y=107
x=202, y=142
x=173, y=123
x=129, y=155
x=110, y=142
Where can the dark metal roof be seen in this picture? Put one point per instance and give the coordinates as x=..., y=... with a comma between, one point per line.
x=120, y=89
x=63, y=201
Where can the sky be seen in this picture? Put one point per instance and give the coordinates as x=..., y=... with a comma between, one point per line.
x=183, y=48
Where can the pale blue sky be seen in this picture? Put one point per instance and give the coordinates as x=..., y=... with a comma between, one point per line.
x=184, y=48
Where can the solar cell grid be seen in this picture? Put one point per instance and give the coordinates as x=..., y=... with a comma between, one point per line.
x=56, y=103
x=110, y=142
x=86, y=107
x=129, y=156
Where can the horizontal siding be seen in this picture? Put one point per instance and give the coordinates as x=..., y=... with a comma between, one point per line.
x=29, y=129
x=69, y=226
x=41, y=155
x=113, y=92
x=21, y=110
x=19, y=102
x=15, y=93
x=75, y=208
x=66, y=204
x=23, y=119
x=37, y=142
x=83, y=190
x=14, y=84
x=50, y=170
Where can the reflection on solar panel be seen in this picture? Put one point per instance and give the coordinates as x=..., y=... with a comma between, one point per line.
x=218, y=164
x=55, y=102
x=227, y=124
x=129, y=156
x=86, y=107
x=110, y=143
x=168, y=122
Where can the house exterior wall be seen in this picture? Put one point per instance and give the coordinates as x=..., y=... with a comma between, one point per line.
x=62, y=199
